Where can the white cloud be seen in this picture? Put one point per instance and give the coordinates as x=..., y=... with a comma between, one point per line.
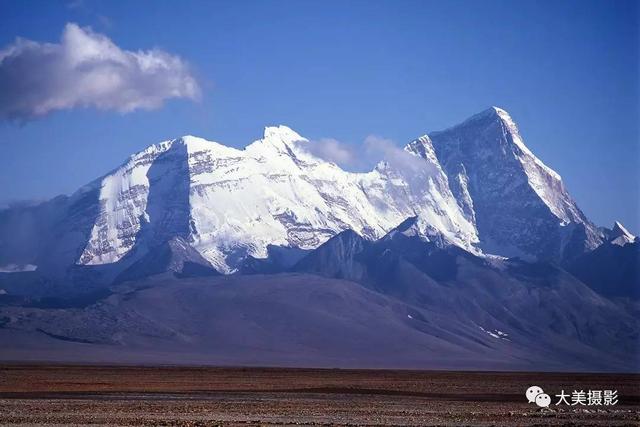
x=87, y=69
x=364, y=156
x=381, y=148
x=332, y=150
x=386, y=150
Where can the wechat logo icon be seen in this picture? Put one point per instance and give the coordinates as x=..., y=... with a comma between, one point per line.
x=536, y=395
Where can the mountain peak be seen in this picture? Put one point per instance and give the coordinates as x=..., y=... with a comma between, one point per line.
x=499, y=111
x=620, y=229
x=620, y=235
x=493, y=174
x=407, y=224
x=415, y=227
x=175, y=256
x=491, y=113
x=279, y=139
x=510, y=132
x=196, y=144
x=190, y=141
x=422, y=147
x=281, y=132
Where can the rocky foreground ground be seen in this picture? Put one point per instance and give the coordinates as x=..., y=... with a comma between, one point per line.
x=99, y=395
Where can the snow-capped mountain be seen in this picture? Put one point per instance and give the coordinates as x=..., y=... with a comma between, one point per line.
x=519, y=205
x=475, y=185
x=395, y=267
x=230, y=203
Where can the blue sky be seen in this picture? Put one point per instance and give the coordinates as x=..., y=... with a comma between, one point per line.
x=566, y=71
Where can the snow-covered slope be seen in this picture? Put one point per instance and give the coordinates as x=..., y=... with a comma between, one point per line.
x=230, y=203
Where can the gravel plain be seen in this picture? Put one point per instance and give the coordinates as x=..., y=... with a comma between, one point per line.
x=199, y=396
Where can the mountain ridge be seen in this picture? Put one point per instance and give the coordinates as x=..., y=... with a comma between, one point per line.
x=231, y=204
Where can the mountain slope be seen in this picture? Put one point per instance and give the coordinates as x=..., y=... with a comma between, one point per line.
x=175, y=256
x=290, y=320
x=533, y=304
x=283, y=320
x=613, y=268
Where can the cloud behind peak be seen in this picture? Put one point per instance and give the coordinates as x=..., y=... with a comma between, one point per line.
x=87, y=69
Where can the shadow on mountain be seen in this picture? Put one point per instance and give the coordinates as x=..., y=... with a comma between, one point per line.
x=279, y=259
x=611, y=270
x=535, y=304
x=51, y=235
x=175, y=256
x=162, y=245
x=349, y=299
x=168, y=200
x=39, y=291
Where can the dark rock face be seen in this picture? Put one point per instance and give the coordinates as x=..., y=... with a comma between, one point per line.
x=520, y=206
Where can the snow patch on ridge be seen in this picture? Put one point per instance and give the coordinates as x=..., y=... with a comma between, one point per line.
x=495, y=334
x=513, y=129
x=17, y=268
x=620, y=235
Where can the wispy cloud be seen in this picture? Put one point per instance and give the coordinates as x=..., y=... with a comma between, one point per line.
x=332, y=150
x=76, y=4
x=363, y=156
x=400, y=159
x=87, y=69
